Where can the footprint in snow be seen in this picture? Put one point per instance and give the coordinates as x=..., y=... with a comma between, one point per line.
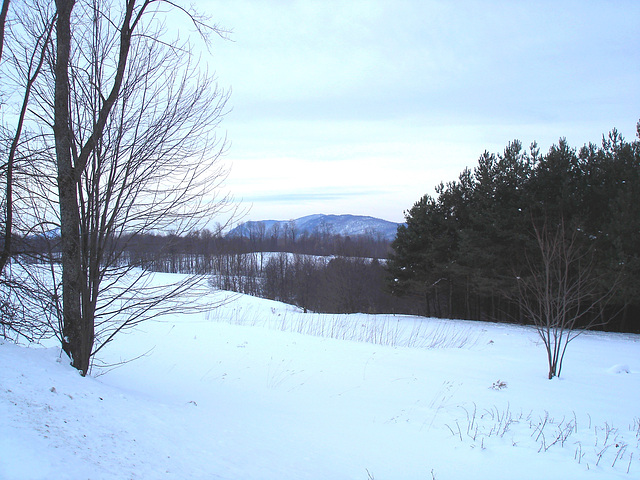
x=620, y=368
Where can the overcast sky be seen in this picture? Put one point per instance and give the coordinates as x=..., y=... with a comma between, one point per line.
x=362, y=107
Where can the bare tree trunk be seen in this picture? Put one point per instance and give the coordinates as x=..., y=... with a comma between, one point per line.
x=3, y=18
x=6, y=249
x=76, y=333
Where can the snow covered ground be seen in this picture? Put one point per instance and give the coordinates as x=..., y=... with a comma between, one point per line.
x=259, y=390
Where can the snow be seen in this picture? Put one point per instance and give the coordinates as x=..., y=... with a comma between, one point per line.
x=259, y=390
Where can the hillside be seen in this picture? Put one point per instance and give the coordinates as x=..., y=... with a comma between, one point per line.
x=345, y=225
x=257, y=390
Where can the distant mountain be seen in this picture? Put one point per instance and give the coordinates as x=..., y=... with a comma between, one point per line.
x=49, y=234
x=345, y=225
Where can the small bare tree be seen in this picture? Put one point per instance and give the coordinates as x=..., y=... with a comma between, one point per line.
x=24, y=41
x=560, y=293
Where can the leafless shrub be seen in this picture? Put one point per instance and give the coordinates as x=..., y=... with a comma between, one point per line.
x=560, y=294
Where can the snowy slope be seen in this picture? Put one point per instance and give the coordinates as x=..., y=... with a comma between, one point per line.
x=240, y=394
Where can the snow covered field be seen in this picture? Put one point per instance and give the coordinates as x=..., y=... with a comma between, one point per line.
x=259, y=390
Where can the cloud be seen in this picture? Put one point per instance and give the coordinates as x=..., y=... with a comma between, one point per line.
x=398, y=95
x=327, y=194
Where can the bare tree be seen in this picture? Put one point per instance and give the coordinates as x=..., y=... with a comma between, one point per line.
x=133, y=149
x=560, y=293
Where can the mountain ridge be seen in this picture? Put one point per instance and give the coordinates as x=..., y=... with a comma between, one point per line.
x=345, y=225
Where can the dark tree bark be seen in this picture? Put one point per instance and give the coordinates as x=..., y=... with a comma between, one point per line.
x=3, y=18
x=77, y=335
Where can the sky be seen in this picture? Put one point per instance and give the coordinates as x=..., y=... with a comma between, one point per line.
x=363, y=107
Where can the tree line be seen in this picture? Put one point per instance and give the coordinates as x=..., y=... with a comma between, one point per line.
x=468, y=251
x=319, y=272
x=333, y=284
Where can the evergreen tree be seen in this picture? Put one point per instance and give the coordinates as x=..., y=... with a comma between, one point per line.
x=461, y=251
